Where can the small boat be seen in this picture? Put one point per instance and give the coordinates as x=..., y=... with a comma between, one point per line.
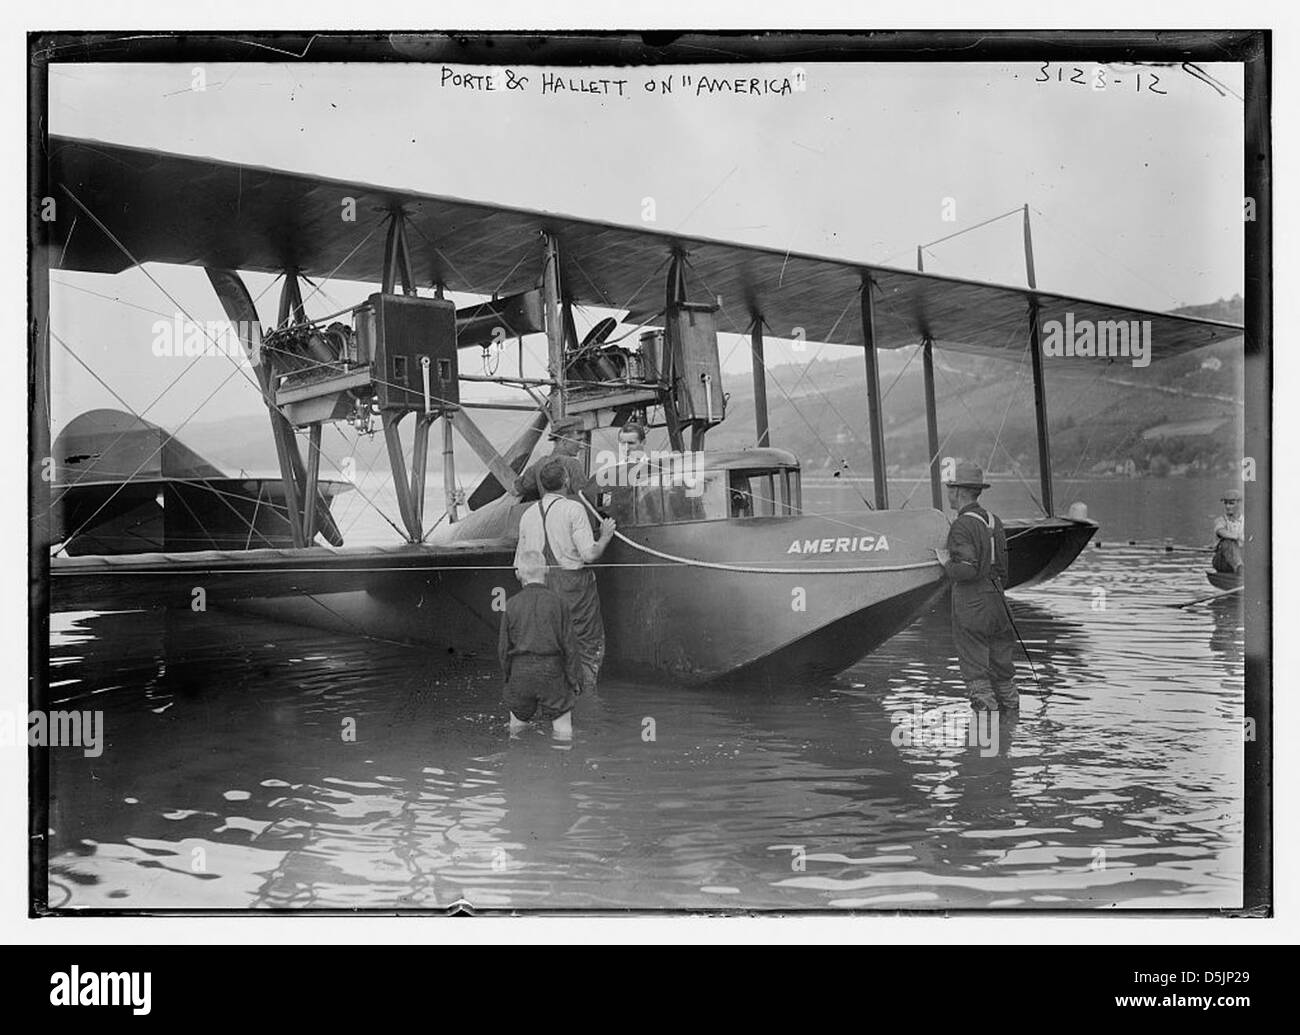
x=1225, y=580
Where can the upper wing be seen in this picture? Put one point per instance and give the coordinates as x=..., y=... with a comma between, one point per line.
x=196, y=211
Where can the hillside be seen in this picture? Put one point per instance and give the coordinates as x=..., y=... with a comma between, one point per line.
x=1174, y=417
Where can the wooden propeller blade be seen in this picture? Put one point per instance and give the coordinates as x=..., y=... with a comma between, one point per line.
x=490, y=488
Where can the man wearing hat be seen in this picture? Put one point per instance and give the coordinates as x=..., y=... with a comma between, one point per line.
x=566, y=443
x=975, y=560
x=1229, y=534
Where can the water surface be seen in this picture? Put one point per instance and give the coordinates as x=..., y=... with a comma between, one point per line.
x=227, y=781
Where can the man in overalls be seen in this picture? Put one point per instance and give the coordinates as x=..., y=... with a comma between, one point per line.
x=976, y=563
x=557, y=526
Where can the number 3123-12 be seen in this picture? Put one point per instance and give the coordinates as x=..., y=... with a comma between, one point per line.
x=1098, y=79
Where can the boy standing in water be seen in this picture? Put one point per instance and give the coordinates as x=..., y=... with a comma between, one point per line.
x=538, y=652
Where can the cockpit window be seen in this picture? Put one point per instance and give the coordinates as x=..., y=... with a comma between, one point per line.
x=692, y=495
x=792, y=495
x=771, y=493
x=753, y=493
x=652, y=494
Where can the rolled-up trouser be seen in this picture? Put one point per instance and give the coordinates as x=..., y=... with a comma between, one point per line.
x=981, y=695
x=577, y=588
x=1007, y=695
x=537, y=687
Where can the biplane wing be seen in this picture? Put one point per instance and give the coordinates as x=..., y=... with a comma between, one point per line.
x=197, y=211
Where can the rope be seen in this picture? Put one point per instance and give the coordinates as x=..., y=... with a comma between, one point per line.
x=752, y=569
x=986, y=222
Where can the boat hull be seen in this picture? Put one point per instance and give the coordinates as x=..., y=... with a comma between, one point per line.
x=1225, y=580
x=1040, y=549
x=755, y=599
x=764, y=612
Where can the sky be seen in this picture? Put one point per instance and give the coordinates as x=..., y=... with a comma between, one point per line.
x=1135, y=195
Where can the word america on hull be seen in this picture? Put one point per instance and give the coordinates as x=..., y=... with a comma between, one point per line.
x=854, y=544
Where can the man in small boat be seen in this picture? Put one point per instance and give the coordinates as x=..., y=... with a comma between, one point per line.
x=975, y=560
x=1229, y=534
x=566, y=444
x=557, y=527
x=538, y=652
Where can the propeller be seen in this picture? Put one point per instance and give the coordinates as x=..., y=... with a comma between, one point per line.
x=489, y=489
x=599, y=334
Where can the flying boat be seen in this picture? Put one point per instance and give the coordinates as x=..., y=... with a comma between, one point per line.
x=719, y=572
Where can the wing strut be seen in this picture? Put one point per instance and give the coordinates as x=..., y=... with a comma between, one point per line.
x=675, y=294
x=307, y=507
x=879, y=479
x=931, y=410
x=410, y=493
x=238, y=306
x=762, y=434
x=553, y=307
x=1040, y=394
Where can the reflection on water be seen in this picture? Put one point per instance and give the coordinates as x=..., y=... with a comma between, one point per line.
x=228, y=779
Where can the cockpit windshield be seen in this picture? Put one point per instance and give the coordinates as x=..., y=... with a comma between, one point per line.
x=654, y=492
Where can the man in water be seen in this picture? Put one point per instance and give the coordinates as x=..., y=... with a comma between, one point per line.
x=1229, y=534
x=557, y=527
x=538, y=652
x=975, y=560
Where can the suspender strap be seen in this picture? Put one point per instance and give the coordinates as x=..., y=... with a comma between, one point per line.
x=993, y=540
x=551, y=562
